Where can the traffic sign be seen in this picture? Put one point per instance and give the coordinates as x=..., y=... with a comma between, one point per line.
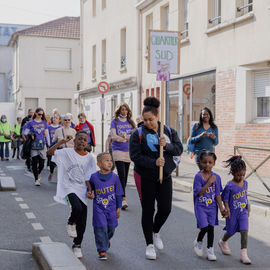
x=103, y=87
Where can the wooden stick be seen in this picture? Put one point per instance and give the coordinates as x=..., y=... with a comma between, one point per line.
x=162, y=111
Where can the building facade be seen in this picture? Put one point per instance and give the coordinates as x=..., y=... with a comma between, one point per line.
x=224, y=65
x=109, y=52
x=46, y=69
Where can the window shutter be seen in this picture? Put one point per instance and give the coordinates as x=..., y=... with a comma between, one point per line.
x=261, y=87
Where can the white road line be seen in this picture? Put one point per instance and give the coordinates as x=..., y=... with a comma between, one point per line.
x=14, y=194
x=19, y=199
x=30, y=215
x=37, y=226
x=3, y=174
x=45, y=239
x=24, y=206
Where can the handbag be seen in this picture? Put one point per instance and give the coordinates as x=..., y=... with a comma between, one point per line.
x=38, y=145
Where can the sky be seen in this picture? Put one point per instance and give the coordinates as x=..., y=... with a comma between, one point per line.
x=33, y=12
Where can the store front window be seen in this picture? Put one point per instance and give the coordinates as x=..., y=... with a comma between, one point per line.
x=184, y=105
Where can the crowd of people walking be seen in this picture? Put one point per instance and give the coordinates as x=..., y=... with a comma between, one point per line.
x=67, y=146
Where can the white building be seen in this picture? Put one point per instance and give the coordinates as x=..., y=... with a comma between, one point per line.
x=109, y=53
x=46, y=69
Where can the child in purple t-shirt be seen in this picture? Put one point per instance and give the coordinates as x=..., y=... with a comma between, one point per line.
x=235, y=199
x=206, y=195
x=105, y=189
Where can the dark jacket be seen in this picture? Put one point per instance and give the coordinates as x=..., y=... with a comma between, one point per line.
x=145, y=152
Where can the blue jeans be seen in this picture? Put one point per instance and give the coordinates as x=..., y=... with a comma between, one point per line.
x=102, y=237
x=6, y=144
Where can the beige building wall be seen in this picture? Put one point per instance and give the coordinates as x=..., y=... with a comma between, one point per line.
x=36, y=80
x=234, y=46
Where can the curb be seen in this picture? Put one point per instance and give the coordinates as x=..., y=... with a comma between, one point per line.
x=56, y=256
x=7, y=183
x=260, y=210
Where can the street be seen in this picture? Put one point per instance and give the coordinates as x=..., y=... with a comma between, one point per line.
x=45, y=220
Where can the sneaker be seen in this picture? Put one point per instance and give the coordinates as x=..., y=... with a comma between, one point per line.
x=198, y=249
x=157, y=241
x=211, y=255
x=50, y=177
x=150, y=252
x=77, y=251
x=102, y=256
x=244, y=257
x=39, y=177
x=124, y=205
x=37, y=182
x=71, y=230
x=224, y=247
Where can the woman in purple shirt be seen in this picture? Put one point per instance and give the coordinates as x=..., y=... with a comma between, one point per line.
x=38, y=128
x=121, y=128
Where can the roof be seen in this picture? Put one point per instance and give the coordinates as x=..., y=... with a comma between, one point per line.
x=65, y=27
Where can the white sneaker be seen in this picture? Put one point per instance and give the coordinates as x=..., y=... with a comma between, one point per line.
x=71, y=230
x=124, y=205
x=37, y=182
x=150, y=252
x=39, y=177
x=157, y=241
x=211, y=255
x=198, y=248
x=77, y=251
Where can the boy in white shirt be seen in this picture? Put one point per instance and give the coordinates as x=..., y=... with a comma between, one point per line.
x=74, y=167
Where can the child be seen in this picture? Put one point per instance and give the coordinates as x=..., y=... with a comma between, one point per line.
x=235, y=200
x=75, y=165
x=107, y=202
x=206, y=195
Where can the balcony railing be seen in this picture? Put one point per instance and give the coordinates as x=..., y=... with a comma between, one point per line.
x=246, y=8
x=184, y=33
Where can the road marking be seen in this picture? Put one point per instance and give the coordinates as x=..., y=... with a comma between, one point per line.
x=16, y=251
x=14, y=194
x=37, y=226
x=45, y=239
x=24, y=206
x=19, y=199
x=3, y=174
x=30, y=215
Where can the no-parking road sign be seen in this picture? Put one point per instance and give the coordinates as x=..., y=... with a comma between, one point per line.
x=103, y=87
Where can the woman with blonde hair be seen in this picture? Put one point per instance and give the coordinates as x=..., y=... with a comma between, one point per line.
x=121, y=128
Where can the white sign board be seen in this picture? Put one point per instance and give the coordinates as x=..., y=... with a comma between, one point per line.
x=163, y=51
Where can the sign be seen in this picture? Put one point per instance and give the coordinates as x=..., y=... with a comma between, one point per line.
x=186, y=89
x=164, y=53
x=103, y=87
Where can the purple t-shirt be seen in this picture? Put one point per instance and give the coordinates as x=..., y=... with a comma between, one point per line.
x=121, y=128
x=86, y=128
x=37, y=128
x=236, y=196
x=104, y=205
x=52, y=130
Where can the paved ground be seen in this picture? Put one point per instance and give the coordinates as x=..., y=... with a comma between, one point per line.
x=18, y=231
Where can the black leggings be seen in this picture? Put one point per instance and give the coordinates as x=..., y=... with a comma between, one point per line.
x=244, y=238
x=153, y=191
x=210, y=235
x=122, y=170
x=51, y=163
x=37, y=165
x=78, y=216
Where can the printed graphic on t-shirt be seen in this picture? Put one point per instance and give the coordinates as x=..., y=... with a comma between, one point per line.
x=152, y=140
x=75, y=173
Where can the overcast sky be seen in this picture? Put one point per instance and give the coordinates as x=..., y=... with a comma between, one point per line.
x=36, y=11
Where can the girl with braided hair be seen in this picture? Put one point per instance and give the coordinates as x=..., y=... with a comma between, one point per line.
x=236, y=204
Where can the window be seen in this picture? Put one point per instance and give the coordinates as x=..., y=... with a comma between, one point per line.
x=243, y=7
x=214, y=12
x=113, y=105
x=262, y=92
x=58, y=59
x=164, y=18
x=148, y=26
x=94, y=8
x=184, y=19
x=94, y=56
x=123, y=60
x=103, y=57
x=103, y=4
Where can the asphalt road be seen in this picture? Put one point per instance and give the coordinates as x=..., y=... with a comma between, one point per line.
x=18, y=232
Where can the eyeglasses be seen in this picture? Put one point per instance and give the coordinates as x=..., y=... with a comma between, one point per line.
x=67, y=120
x=40, y=114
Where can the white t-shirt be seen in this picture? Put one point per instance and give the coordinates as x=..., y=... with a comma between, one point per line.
x=73, y=171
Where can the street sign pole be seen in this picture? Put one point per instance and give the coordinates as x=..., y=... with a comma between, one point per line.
x=162, y=111
x=102, y=129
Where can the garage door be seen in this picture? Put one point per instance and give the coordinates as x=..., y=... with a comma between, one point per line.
x=64, y=105
x=30, y=103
